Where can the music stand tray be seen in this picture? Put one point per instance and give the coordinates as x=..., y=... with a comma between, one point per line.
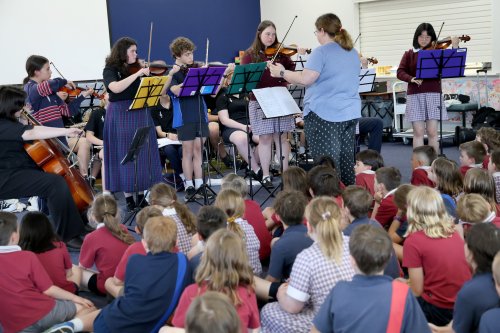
x=246, y=77
x=438, y=64
x=149, y=92
x=202, y=81
x=366, y=80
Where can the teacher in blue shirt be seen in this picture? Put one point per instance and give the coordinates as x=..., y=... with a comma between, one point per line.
x=331, y=104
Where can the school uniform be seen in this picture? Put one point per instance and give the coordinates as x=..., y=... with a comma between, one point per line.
x=136, y=248
x=252, y=245
x=496, y=178
x=254, y=217
x=465, y=168
x=444, y=274
x=247, y=310
x=56, y=262
x=350, y=307
x=386, y=210
x=420, y=176
x=293, y=241
x=149, y=287
x=104, y=250
x=490, y=321
x=183, y=238
x=366, y=179
x=96, y=122
x=312, y=278
x=477, y=296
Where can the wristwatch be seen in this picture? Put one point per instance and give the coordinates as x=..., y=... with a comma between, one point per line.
x=282, y=73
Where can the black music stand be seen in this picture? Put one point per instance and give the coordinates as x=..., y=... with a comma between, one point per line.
x=201, y=81
x=276, y=102
x=439, y=64
x=141, y=137
x=245, y=79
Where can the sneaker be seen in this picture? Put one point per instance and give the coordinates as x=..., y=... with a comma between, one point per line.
x=267, y=183
x=66, y=327
x=190, y=194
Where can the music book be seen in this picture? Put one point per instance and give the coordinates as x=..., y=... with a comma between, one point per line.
x=166, y=141
x=366, y=80
x=276, y=102
x=149, y=92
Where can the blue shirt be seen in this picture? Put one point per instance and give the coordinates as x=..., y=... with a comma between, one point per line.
x=284, y=251
x=490, y=321
x=392, y=268
x=149, y=287
x=194, y=262
x=477, y=296
x=363, y=305
x=192, y=108
x=334, y=95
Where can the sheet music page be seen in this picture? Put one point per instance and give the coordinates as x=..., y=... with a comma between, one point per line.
x=276, y=102
x=366, y=79
x=166, y=141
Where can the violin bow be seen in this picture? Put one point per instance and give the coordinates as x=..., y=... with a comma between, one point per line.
x=150, y=42
x=357, y=38
x=206, y=53
x=439, y=34
x=53, y=65
x=282, y=41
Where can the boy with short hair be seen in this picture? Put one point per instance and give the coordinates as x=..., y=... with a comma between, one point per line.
x=30, y=302
x=472, y=154
x=490, y=320
x=350, y=304
x=367, y=162
x=421, y=161
x=494, y=170
x=387, y=180
x=289, y=208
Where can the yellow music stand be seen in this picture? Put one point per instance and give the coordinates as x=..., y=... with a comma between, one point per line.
x=149, y=92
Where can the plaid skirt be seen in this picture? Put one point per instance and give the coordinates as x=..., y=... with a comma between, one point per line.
x=120, y=125
x=261, y=125
x=424, y=106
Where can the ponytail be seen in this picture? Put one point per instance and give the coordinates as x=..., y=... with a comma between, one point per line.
x=105, y=209
x=233, y=226
x=233, y=205
x=34, y=63
x=324, y=215
x=187, y=218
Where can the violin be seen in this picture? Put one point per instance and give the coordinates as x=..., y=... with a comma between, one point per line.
x=445, y=43
x=73, y=93
x=288, y=50
x=372, y=60
x=156, y=68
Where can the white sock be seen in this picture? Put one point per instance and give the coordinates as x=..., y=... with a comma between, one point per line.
x=77, y=324
x=197, y=183
x=189, y=183
x=182, y=177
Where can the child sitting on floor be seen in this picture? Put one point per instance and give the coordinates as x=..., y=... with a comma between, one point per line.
x=367, y=162
x=387, y=180
x=421, y=161
x=472, y=154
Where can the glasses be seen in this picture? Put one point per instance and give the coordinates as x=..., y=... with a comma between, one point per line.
x=424, y=37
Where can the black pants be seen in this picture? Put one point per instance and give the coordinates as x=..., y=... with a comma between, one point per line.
x=63, y=212
x=435, y=315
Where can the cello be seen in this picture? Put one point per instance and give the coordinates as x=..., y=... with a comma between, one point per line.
x=48, y=156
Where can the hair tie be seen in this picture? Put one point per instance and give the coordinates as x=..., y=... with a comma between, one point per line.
x=232, y=219
x=325, y=215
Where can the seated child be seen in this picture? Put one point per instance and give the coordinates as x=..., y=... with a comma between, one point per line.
x=472, y=154
x=421, y=161
x=350, y=306
x=387, y=180
x=324, y=181
x=150, y=282
x=105, y=246
x=37, y=235
x=434, y=279
x=252, y=212
x=209, y=220
x=397, y=230
x=315, y=272
x=473, y=209
x=490, y=320
x=479, y=181
x=289, y=207
x=114, y=284
x=29, y=300
x=367, y=162
x=166, y=197
x=224, y=268
x=449, y=182
x=233, y=205
x=494, y=170
x=490, y=138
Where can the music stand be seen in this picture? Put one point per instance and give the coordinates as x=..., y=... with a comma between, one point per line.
x=276, y=102
x=141, y=137
x=366, y=80
x=245, y=78
x=201, y=81
x=439, y=64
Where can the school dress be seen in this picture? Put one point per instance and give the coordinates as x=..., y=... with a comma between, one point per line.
x=183, y=237
x=120, y=126
x=21, y=177
x=260, y=124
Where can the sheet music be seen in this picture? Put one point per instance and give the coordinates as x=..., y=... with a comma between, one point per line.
x=166, y=141
x=366, y=79
x=276, y=102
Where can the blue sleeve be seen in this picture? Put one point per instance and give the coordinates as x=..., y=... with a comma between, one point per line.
x=315, y=61
x=276, y=263
x=323, y=321
x=74, y=105
x=490, y=321
x=414, y=319
x=463, y=312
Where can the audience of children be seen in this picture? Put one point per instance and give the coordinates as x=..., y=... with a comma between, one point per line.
x=473, y=209
x=421, y=161
x=397, y=230
x=387, y=180
x=490, y=320
x=164, y=196
x=481, y=182
x=365, y=304
x=494, y=171
x=324, y=181
x=449, y=182
x=433, y=254
x=367, y=162
x=37, y=235
x=472, y=155
x=105, y=246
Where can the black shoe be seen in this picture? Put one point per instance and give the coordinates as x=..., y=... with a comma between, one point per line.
x=266, y=182
x=228, y=161
x=74, y=244
x=130, y=204
x=256, y=176
x=190, y=193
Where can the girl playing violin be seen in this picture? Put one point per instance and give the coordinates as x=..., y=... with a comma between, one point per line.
x=21, y=177
x=48, y=105
x=422, y=106
x=268, y=129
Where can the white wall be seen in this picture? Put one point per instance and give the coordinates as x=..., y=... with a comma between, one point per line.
x=495, y=34
x=73, y=35
x=281, y=12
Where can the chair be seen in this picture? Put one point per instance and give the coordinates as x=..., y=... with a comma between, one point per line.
x=231, y=149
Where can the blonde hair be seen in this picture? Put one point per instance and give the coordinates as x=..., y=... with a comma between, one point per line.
x=331, y=24
x=234, y=182
x=145, y=214
x=426, y=212
x=324, y=215
x=233, y=205
x=163, y=195
x=160, y=234
x=213, y=310
x=105, y=210
x=224, y=265
x=473, y=208
x=479, y=181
